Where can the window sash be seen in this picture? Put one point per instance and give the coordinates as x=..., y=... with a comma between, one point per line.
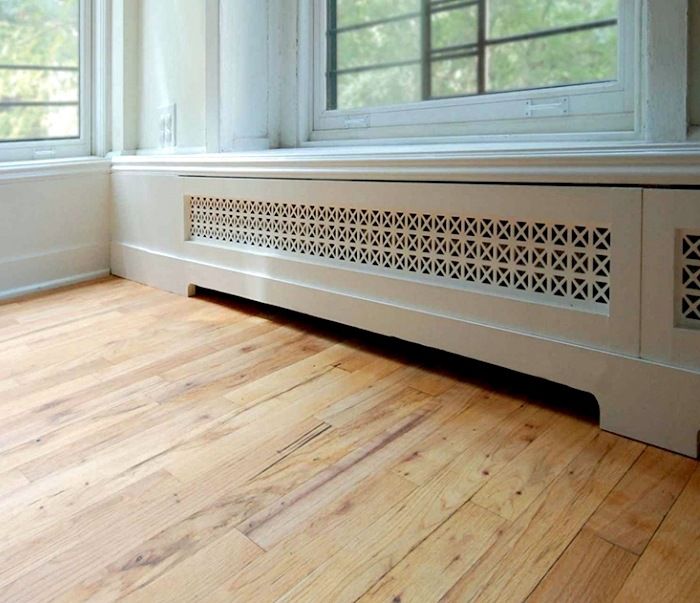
x=603, y=107
x=69, y=146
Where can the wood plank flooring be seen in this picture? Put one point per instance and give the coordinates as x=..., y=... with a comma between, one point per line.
x=157, y=448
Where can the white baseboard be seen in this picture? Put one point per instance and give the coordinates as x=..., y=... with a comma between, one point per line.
x=56, y=268
x=633, y=394
x=55, y=284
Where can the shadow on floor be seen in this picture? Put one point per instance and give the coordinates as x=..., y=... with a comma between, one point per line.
x=534, y=390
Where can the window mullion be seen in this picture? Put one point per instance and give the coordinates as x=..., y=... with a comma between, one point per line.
x=481, y=47
x=332, y=56
x=426, y=74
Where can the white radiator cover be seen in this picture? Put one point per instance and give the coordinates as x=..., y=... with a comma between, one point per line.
x=546, y=280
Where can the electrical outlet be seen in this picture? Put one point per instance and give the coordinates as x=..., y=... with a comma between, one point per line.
x=167, y=126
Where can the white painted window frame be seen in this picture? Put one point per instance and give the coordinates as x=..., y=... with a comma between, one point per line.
x=102, y=61
x=479, y=118
x=83, y=144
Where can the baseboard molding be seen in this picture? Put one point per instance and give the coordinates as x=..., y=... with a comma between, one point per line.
x=633, y=394
x=49, y=270
x=55, y=284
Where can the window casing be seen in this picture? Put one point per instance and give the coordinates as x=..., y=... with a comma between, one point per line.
x=70, y=143
x=602, y=110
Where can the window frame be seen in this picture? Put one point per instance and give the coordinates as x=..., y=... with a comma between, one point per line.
x=481, y=117
x=56, y=148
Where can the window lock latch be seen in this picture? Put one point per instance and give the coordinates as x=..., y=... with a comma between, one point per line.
x=550, y=107
x=357, y=121
x=44, y=153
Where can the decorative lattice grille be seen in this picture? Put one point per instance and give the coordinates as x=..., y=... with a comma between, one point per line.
x=567, y=262
x=689, y=289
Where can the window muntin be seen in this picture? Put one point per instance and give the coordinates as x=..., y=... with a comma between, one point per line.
x=383, y=53
x=44, y=74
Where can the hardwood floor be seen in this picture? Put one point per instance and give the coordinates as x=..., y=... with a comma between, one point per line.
x=157, y=448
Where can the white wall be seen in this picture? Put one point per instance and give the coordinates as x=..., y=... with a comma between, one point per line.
x=54, y=229
x=694, y=62
x=171, y=69
x=126, y=59
x=245, y=82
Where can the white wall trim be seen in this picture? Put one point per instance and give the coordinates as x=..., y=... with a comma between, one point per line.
x=665, y=70
x=102, y=77
x=168, y=152
x=670, y=164
x=54, y=268
x=54, y=168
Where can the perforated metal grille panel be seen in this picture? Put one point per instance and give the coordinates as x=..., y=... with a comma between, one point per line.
x=568, y=263
x=688, y=297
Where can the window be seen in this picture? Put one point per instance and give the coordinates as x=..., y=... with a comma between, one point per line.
x=44, y=69
x=474, y=66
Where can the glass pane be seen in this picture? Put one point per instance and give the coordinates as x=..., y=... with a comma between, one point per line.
x=351, y=12
x=38, y=85
x=454, y=77
x=513, y=17
x=575, y=57
x=584, y=56
x=38, y=122
x=396, y=41
x=454, y=27
x=39, y=32
x=389, y=86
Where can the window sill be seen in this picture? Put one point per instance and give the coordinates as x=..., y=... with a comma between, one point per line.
x=52, y=168
x=624, y=164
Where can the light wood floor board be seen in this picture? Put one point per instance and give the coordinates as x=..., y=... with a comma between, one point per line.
x=165, y=449
x=669, y=568
x=591, y=569
x=635, y=508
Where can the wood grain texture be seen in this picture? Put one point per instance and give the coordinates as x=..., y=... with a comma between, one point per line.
x=532, y=543
x=635, y=508
x=158, y=448
x=437, y=563
x=511, y=492
x=669, y=568
x=591, y=569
